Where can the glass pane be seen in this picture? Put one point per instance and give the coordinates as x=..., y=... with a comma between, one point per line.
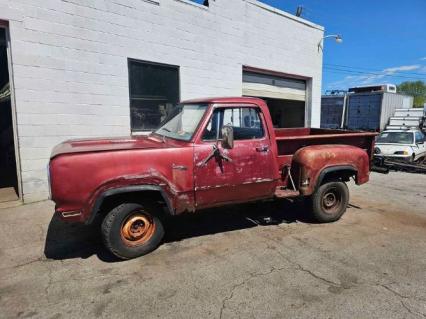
x=148, y=114
x=183, y=125
x=212, y=129
x=396, y=138
x=419, y=137
x=154, y=92
x=245, y=122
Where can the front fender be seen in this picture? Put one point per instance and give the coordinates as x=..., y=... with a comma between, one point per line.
x=127, y=190
x=175, y=200
x=313, y=162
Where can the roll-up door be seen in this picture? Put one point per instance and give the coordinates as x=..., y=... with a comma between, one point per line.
x=275, y=87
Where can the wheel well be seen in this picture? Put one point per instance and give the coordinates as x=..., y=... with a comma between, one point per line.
x=151, y=196
x=337, y=175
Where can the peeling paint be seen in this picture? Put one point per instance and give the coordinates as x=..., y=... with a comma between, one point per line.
x=245, y=172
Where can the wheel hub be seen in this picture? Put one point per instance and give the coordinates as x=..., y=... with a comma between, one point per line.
x=137, y=229
x=329, y=200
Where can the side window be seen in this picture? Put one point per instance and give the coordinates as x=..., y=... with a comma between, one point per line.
x=245, y=121
x=420, y=137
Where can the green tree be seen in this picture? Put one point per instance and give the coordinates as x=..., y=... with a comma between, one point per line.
x=416, y=89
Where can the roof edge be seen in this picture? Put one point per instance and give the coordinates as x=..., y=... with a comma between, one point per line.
x=290, y=16
x=226, y=99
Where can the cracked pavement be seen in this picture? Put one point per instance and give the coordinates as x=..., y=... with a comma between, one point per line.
x=264, y=260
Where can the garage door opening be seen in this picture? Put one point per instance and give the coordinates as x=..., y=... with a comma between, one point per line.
x=8, y=172
x=284, y=95
x=286, y=113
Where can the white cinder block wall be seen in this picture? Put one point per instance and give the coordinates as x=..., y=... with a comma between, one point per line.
x=70, y=62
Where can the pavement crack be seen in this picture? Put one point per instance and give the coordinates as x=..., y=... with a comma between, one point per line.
x=413, y=312
x=244, y=282
x=300, y=268
x=396, y=293
x=229, y=297
x=39, y=259
x=49, y=284
x=405, y=297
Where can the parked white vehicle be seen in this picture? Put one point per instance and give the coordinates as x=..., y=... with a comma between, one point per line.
x=405, y=145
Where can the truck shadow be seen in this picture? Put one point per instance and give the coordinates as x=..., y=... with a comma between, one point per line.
x=67, y=241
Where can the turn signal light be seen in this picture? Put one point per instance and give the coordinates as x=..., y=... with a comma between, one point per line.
x=401, y=153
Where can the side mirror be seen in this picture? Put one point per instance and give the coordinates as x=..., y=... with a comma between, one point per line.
x=227, y=137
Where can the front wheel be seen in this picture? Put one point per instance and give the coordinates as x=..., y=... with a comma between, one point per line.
x=329, y=202
x=131, y=230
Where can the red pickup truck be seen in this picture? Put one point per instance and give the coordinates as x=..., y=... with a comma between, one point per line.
x=212, y=152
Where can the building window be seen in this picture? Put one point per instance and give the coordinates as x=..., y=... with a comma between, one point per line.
x=154, y=92
x=203, y=2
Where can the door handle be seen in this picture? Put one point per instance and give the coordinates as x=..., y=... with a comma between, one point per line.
x=263, y=148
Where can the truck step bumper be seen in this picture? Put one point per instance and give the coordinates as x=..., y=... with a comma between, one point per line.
x=285, y=193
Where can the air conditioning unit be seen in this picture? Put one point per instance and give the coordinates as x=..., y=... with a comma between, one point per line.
x=388, y=88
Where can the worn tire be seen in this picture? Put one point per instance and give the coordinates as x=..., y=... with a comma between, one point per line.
x=329, y=202
x=132, y=230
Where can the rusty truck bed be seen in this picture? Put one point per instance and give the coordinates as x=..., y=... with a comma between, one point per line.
x=290, y=140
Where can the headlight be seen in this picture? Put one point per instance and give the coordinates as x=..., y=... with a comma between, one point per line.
x=377, y=150
x=401, y=153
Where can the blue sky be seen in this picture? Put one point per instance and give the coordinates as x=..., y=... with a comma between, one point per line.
x=383, y=41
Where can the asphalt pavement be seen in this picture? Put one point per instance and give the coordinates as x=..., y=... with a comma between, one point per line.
x=263, y=260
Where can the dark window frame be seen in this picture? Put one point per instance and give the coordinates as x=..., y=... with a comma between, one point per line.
x=219, y=127
x=204, y=3
x=138, y=61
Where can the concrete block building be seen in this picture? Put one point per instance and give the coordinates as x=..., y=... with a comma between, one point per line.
x=79, y=68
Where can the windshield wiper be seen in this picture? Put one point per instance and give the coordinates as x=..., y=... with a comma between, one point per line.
x=164, y=136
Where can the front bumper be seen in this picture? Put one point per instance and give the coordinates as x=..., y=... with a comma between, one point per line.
x=393, y=157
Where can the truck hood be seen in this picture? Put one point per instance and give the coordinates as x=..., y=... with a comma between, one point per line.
x=110, y=144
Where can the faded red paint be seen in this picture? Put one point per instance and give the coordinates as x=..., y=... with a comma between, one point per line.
x=311, y=160
x=82, y=170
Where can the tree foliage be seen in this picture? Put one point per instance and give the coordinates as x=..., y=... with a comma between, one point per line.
x=416, y=89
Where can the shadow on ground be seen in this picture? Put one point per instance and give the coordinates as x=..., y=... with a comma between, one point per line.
x=65, y=241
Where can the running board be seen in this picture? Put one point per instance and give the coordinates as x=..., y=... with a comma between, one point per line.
x=285, y=193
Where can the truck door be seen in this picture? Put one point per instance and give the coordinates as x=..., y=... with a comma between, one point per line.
x=249, y=174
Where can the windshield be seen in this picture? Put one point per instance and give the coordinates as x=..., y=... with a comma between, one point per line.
x=183, y=124
x=396, y=138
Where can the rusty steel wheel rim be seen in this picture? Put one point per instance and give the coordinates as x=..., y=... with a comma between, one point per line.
x=331, y=201
x=137, y=229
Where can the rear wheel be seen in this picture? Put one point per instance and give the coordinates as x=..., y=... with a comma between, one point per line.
x=132, y=230
x=329, y=202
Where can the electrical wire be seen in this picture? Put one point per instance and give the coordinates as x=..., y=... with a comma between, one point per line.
x=395, y=75
x=371, y=70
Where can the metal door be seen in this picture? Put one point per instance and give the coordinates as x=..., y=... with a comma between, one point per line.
x=249, y=173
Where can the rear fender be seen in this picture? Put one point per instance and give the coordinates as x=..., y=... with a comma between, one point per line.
x=314, y=164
